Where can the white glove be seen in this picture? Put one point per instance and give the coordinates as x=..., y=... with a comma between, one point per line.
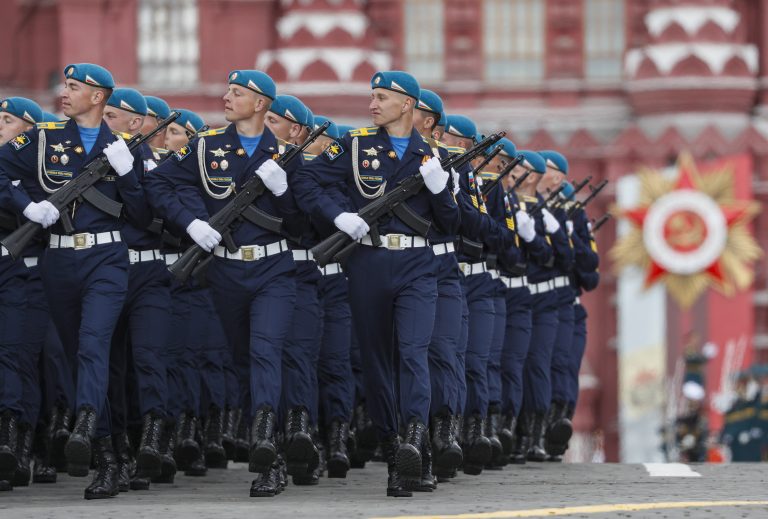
x=119, y=156
x=456, y=186
x=526, y=227
x=551, y=225
x=274, y=177
x=589, y=227
x=435, y=178
x=43, y=213
x=569, y=226
x=203, y=234
x=351, y=224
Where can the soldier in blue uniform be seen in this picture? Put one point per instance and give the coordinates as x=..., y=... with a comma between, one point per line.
x=19, y=389
x=393, y=288
x=157, y=110
x=253, y=288
x=85, y=275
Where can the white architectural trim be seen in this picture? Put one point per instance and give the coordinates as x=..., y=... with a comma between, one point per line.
x=666, y=55
x=322, y=23
x=690, y=18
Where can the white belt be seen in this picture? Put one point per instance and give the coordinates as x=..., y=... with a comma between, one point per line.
x=4, y=251
x=83, y=240
x=494, y=273
x=472, y=269
x=562, y=281
x=541, y=288
x=443, y=248
x=302, y=255
x=577, y=301
x=252, y=252
x=141, y=256
x=170, y=259
x=396, y=241
x=330, y=269
x=519, y=282
x=30, y=261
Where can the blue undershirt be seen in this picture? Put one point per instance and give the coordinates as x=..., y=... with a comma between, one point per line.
x=249, y=143
x=88, y=137
x=400, y=144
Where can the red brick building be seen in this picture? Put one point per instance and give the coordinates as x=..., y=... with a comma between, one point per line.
x=614, y=84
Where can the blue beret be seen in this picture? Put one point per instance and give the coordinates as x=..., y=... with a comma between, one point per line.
x=157, y=107
x=397, y=81
x=22, y=108
x=293, y=109
x=128, y=99
x=510, y=150
x=443, y=118
x=567, y=191
x=48, y=117
x=332, y=131
x=533, y=161
x=555, y=160
x=189, y=120
x=430, y=102
x=255, y=80
x=344, y=129
x=310, y=118
x=461, y=126
x=90, y=74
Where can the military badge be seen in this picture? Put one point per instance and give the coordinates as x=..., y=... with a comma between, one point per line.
x=19, y=141
x=182, y=153
x=224, y=165
x=214, y=165
x=79, y=150
x=391, y=154
x=365, y=163
x=375, y=164
x=219, y=152
x=240, y=152
x=334, y=151
x=425, y=159
x=371, y=152
x=64, y=159
x=59, y=148
x=54, y=159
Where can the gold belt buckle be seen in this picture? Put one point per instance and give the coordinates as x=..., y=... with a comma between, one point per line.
x=248, y=253
x=394, y=241
x=81, y=241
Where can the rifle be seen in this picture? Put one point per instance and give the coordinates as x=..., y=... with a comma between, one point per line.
x=544, y=203
x=237, y=209
x=578, y=187
x=82, y=187
x=487, y=188
x=339, y=245
x=592, y=195
x=601, y=222
x=487, y=160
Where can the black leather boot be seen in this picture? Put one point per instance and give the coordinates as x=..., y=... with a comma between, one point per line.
x=78, y=448
x=395, y=486
x=365, y=434
x=559, y=431
x=299, y=447
x=148, y=461
x=263, y=451
x=446, y=451
x=104, y=482
x=229, y=431
x=42, y=469
x=58, y=432
x=491, y=427
x=268, y=483
x=167, y=443
x=125, y=461
x=242, y=441
x=338, y=460
x=215, y=455
x=408, y=456
x=8, y=445
x=428, y=482
x=507, y=435
x=187, y=448
x=536, y=451
x=23, y=455
x=355, y=461
x=523, y=431
x=197, y=467
x=477, y=447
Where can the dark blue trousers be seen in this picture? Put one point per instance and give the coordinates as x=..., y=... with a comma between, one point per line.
x=537, y=388
x=57, y=375
x=356, y=363
x=174, y=358
x=301, y=351
x=497, y=344
x=479, y=289
x=86, y=290
x=562, y=354
x=35, y=331
x=13, y=303
x=213, y=351
x=336, y=383
x=577, y=353
x=255, y=302
x=393, y=296
x=444, y=345
x=461, y=353
x=517, y=339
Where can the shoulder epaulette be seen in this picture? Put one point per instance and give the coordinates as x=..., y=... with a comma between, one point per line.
x=451, y=149
x=126, y=136
x=489, y=175
x=215, y=131
x=364, y=132
x=309, y=156
x=58, y=125
x=532, y=199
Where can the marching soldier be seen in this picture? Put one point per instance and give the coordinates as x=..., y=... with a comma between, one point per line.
x=85, y=274
x=368, y=161
x=157, y=110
